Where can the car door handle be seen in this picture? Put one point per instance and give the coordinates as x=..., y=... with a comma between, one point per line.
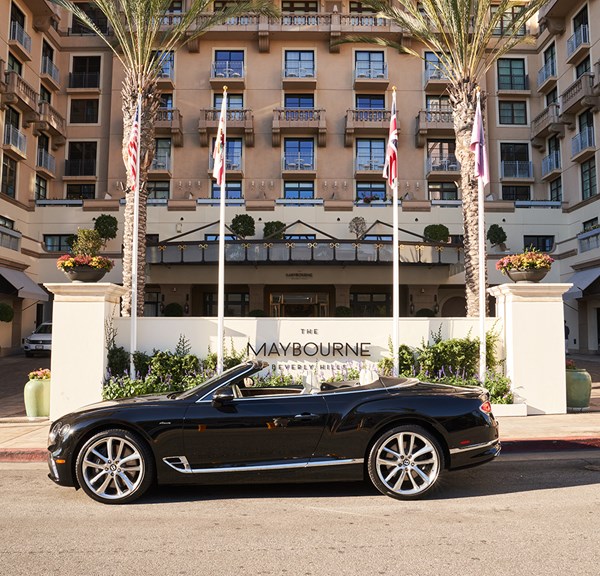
x=305, y=416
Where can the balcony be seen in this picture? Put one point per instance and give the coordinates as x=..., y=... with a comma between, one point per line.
x=589, y=240
x=80, y=169
x=161, y=166
x=371, y=76
x=19, y=42
x=228, y=73
x=84, y=82
x=50, y=73
x=442, y=168
x=53, y=123
x=578, y=44
x=10, y=238
x=15, y=142
x=299, y=77
x=238, y=122
x=436, y=79
x=546, y=124
x=433, y=123
x=368, y=167
x=166, y=77
x=233, y=166
x=583, y=145
x=45, y=163
x=547, y=76
x=551, y=166
x=516, y=170
x=304, y=120
x=169, y=123
x=22, y=96
x=366, y=121
x=298, y=167
x=578, y=97
x=553, y=14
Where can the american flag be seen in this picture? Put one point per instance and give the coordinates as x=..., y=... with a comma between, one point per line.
x=482, y=170
x=133, y=147
x=219, y=151
x=390, y=168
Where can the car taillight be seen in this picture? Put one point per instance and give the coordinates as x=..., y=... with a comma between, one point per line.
x=486, y=407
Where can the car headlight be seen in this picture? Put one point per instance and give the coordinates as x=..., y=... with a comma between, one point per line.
x=59, y=430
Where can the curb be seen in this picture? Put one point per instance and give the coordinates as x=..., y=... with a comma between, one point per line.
x=569, y=444
x=23, y=455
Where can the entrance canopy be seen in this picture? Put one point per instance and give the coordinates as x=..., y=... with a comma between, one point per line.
x=581, y=280
x=24, y=286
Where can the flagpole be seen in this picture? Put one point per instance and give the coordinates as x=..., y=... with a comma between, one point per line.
x=221, y=280
x=135, y=242
x=396, y=281
x=482, y=264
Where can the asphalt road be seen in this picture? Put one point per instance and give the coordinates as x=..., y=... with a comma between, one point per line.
x=516, y=516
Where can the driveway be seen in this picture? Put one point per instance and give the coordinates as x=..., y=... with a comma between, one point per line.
x=14, y=371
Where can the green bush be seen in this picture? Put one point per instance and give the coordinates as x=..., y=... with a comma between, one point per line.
x=436, y=233
x=173, y=310
x=7, y=312
x=343, y=312
x=117, y=360
x=141, y=362
x=106, y=226
x=257, y=313
x=230, y=359
x=496, y=234
x=242, y=225
x=87, y=243
x=273, y=230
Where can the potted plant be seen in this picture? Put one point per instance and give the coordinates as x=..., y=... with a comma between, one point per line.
x=84, y=264
x=436, y=233
x=242, y=225
x=273, y=230
x=37, y=393
x=357, y=226
x=497, y=236
x=528, y=266
x=579, y=386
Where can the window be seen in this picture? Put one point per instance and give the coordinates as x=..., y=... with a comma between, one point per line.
x=552, y=96
x=233, y=153
x=166, y=100
x=81, y=191
x=371, y=305
x=550, y=60
x=541, y=243
x=441, y=154
x=556, y=190
x=43, y=142
x=588, y=179
x=7, y=223
x=82, y=159
x=45, y=94
x=515, y=160
x=12, y=118
x=590, y=224
x=58, y=242
x=84, y=111
x=158, y=189
x=215, y=237
x=442, y=190
x=512, y=112
x=299, y=237
x=513, y=193
x=152, y=302
x=299, y=190
x=299, y=101
x=370, y=102
x=162, y=154
x=511, y=74
x=370, y=154
x=370, y=191
x=85, y=72
x=234, y=101
x=233, y=190
x=167, y=64
x=504, y=25
x=229, y=63
x=47, y=51
x=299, y=6
x=299, y=64
x=434, y=68
x=441, y=103
x=14, y=65
x=40, y=191
x=581, y=19
x=236, y=304
x=299, y=153
x=554, y=145
x=9, y=176
x=584, y=67
x=378, y=237
x=369, y=64
x=94, y=14
x=17, y=16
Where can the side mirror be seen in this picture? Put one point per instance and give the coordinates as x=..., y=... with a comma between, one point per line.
x=223, y=396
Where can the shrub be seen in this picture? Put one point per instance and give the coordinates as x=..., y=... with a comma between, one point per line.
x=436, y=233
x=496, y=234
x=230, y=359
x=273, y=230
x=7, y=312
x=117, y=360
x=357, y=226
x=141, y=363
x=88, y=242
x=173, y=310
x=257, y=313
x=106, y=226
x=343, y=312
x=243, y=225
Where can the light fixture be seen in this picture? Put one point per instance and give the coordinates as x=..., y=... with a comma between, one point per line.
x=411, y=307
x=436, y=306
x=186, y=308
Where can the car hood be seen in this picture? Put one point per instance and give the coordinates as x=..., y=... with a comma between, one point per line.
x=124, y=402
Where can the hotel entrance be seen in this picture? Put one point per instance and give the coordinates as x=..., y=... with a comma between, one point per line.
x=299, y=304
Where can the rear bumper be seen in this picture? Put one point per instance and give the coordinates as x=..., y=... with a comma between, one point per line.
x=474, y=455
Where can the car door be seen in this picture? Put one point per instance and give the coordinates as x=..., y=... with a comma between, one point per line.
x=261, y=430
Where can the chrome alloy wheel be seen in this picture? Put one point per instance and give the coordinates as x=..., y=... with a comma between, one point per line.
x=406, y=462
x=112, y=468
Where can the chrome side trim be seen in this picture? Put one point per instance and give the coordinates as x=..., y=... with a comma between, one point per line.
x=473, y=447
x=180, y=464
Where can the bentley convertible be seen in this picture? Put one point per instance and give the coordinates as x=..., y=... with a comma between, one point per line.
x=400, y=433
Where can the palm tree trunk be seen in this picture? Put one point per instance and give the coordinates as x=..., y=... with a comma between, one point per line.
x=463, y=105
x=150, y=104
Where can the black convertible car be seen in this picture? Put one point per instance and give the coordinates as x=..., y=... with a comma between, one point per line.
x=400, y=432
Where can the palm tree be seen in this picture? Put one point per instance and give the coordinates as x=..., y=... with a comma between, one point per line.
x=142, y=35
x=468, y=37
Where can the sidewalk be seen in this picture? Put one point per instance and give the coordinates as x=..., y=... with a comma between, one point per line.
x=24, y=440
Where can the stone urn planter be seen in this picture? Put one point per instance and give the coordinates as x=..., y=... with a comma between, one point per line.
x=579, y=388
x=85, y=274
x=533, y=275
x=36, y=394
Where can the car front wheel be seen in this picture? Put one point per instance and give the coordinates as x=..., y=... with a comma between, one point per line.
x=115, y=467
x=406, y=462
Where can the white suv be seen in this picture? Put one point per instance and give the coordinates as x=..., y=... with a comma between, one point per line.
x=40, y=340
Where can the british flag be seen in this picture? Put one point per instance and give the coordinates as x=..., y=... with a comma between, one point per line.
x=390, y=168
x=133, y=148
x=219, y=151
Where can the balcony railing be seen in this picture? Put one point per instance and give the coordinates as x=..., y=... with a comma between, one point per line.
x=547, y=71
x=513, y=82
x=329, y=251
x=589, y=240
x=581, y=36
x=585, y=139
x=298, y=162
x=519, y=169
x=314, y=19
x=228, y=69
x=56, y=123
x=363, y=115
x=50, y=69
x=18, y=34
x=13, y=137
x=80, y=167
x=10, y=239
x=371, y=71
x=550, y=163
x=447, y=163
x=233, y=162
x=84, y=80
x=161, y=162
x=46, y=161
x=358, y=20
x=369, y=163
x=548, y=116
x=298, y=115
x=435, y=73
x=295, y=70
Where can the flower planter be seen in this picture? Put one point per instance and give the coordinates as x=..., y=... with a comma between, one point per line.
x=37, y=398
x=533, y=275
x=85, y=274
x=579, y=388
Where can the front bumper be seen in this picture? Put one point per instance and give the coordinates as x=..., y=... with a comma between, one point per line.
x=32, y=347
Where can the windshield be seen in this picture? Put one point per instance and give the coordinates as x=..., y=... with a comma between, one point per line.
x=44, y=329
x=213, y=380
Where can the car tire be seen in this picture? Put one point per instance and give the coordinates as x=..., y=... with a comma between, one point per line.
x=406, y=462
x=115, y=467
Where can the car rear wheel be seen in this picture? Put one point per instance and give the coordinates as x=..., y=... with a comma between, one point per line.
x=115, y=467
x=406, y=462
